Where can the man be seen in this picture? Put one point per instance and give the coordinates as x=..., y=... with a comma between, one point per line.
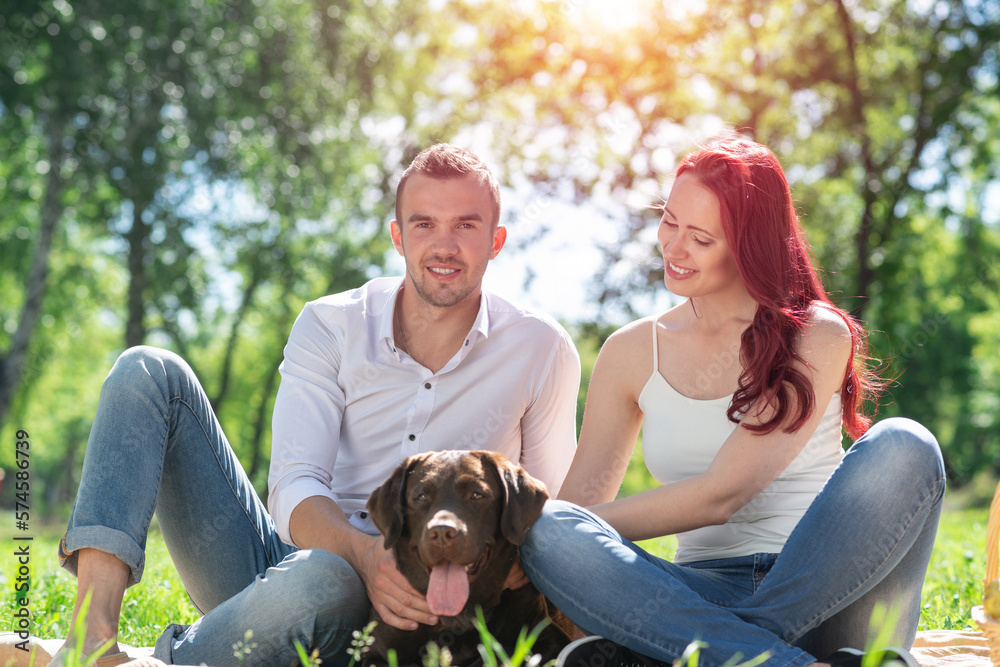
x=370, y=376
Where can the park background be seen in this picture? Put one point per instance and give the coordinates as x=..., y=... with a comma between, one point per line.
x=188, y=173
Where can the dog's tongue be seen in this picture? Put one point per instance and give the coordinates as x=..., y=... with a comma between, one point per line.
x=448, y=589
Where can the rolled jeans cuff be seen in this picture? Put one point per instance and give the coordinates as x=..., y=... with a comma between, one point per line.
x=104, y=539
x=164, y=647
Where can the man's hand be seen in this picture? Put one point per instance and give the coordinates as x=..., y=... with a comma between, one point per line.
x=394, y=598
x=318, y=523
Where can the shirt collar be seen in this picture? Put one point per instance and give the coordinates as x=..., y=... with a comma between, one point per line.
x=482, y=323
x=480, y=327
x=387, y=316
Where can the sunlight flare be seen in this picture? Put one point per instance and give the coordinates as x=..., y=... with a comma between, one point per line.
x=624, y=15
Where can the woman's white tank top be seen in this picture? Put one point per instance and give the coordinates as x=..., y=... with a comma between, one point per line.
x=681, y=436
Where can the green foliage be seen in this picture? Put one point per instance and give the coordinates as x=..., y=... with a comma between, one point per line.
x=493, y=652
x=954, y=582
x=361, y=642
x=246, y=646
x=307, y=659
x=692, y=653
x=877, y=109
x=188, y=174
x=884, y=620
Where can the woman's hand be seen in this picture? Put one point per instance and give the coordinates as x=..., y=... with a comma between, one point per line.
x=516, y=578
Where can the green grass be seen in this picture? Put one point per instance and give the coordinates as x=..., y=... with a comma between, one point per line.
x=953, y=585
x=954, y=582
x=157, y=601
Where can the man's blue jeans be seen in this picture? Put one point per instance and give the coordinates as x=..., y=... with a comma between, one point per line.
x=866, y=539
x=156, y=445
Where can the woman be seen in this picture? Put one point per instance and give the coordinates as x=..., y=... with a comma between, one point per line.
x=741, y=391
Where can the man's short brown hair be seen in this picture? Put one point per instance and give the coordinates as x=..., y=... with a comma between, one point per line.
x=443, y=161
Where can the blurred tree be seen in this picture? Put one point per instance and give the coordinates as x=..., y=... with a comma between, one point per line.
x=45, y=170
x=232, y=159
x=879, y=110
x=330, y=126
x=189, y=173
x=103, y=85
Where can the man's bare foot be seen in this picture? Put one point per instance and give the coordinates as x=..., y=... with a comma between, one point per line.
x=109, y=654
x=101, y=582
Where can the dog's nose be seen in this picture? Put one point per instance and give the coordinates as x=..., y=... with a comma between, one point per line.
x=442, y=533
x=442, y=529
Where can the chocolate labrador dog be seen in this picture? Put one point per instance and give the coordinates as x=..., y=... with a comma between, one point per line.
x=454, y=520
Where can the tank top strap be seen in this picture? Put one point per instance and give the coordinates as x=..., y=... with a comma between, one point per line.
x=656, y=360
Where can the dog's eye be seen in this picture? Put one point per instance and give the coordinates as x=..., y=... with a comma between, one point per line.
x=476, y=495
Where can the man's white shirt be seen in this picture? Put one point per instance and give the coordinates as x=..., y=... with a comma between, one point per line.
x=352, y=405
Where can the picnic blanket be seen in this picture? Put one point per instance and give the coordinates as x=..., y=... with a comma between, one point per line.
x=951, y=648
x=42, y=650
x=932, y=648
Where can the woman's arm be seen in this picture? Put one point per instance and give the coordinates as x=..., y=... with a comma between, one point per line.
x=747, y=463
x=611, y=418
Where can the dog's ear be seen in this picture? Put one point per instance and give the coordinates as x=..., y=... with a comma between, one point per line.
x=523, y=499
x=387, y=503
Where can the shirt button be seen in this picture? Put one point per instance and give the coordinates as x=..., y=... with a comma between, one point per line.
x=466, y=342
x=412, y=437
x=427, y=385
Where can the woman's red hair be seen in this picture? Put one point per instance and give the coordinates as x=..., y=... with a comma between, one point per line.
x=774, y=260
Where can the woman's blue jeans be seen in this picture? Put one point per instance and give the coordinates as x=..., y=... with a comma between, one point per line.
x=156, y=445
x=865, y=540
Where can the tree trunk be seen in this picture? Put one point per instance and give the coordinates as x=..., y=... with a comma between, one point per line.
x=269, y=389
x=12, y=364
x=263, y=416
x=135, y=327
x=862, y=239
x=225, y=374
